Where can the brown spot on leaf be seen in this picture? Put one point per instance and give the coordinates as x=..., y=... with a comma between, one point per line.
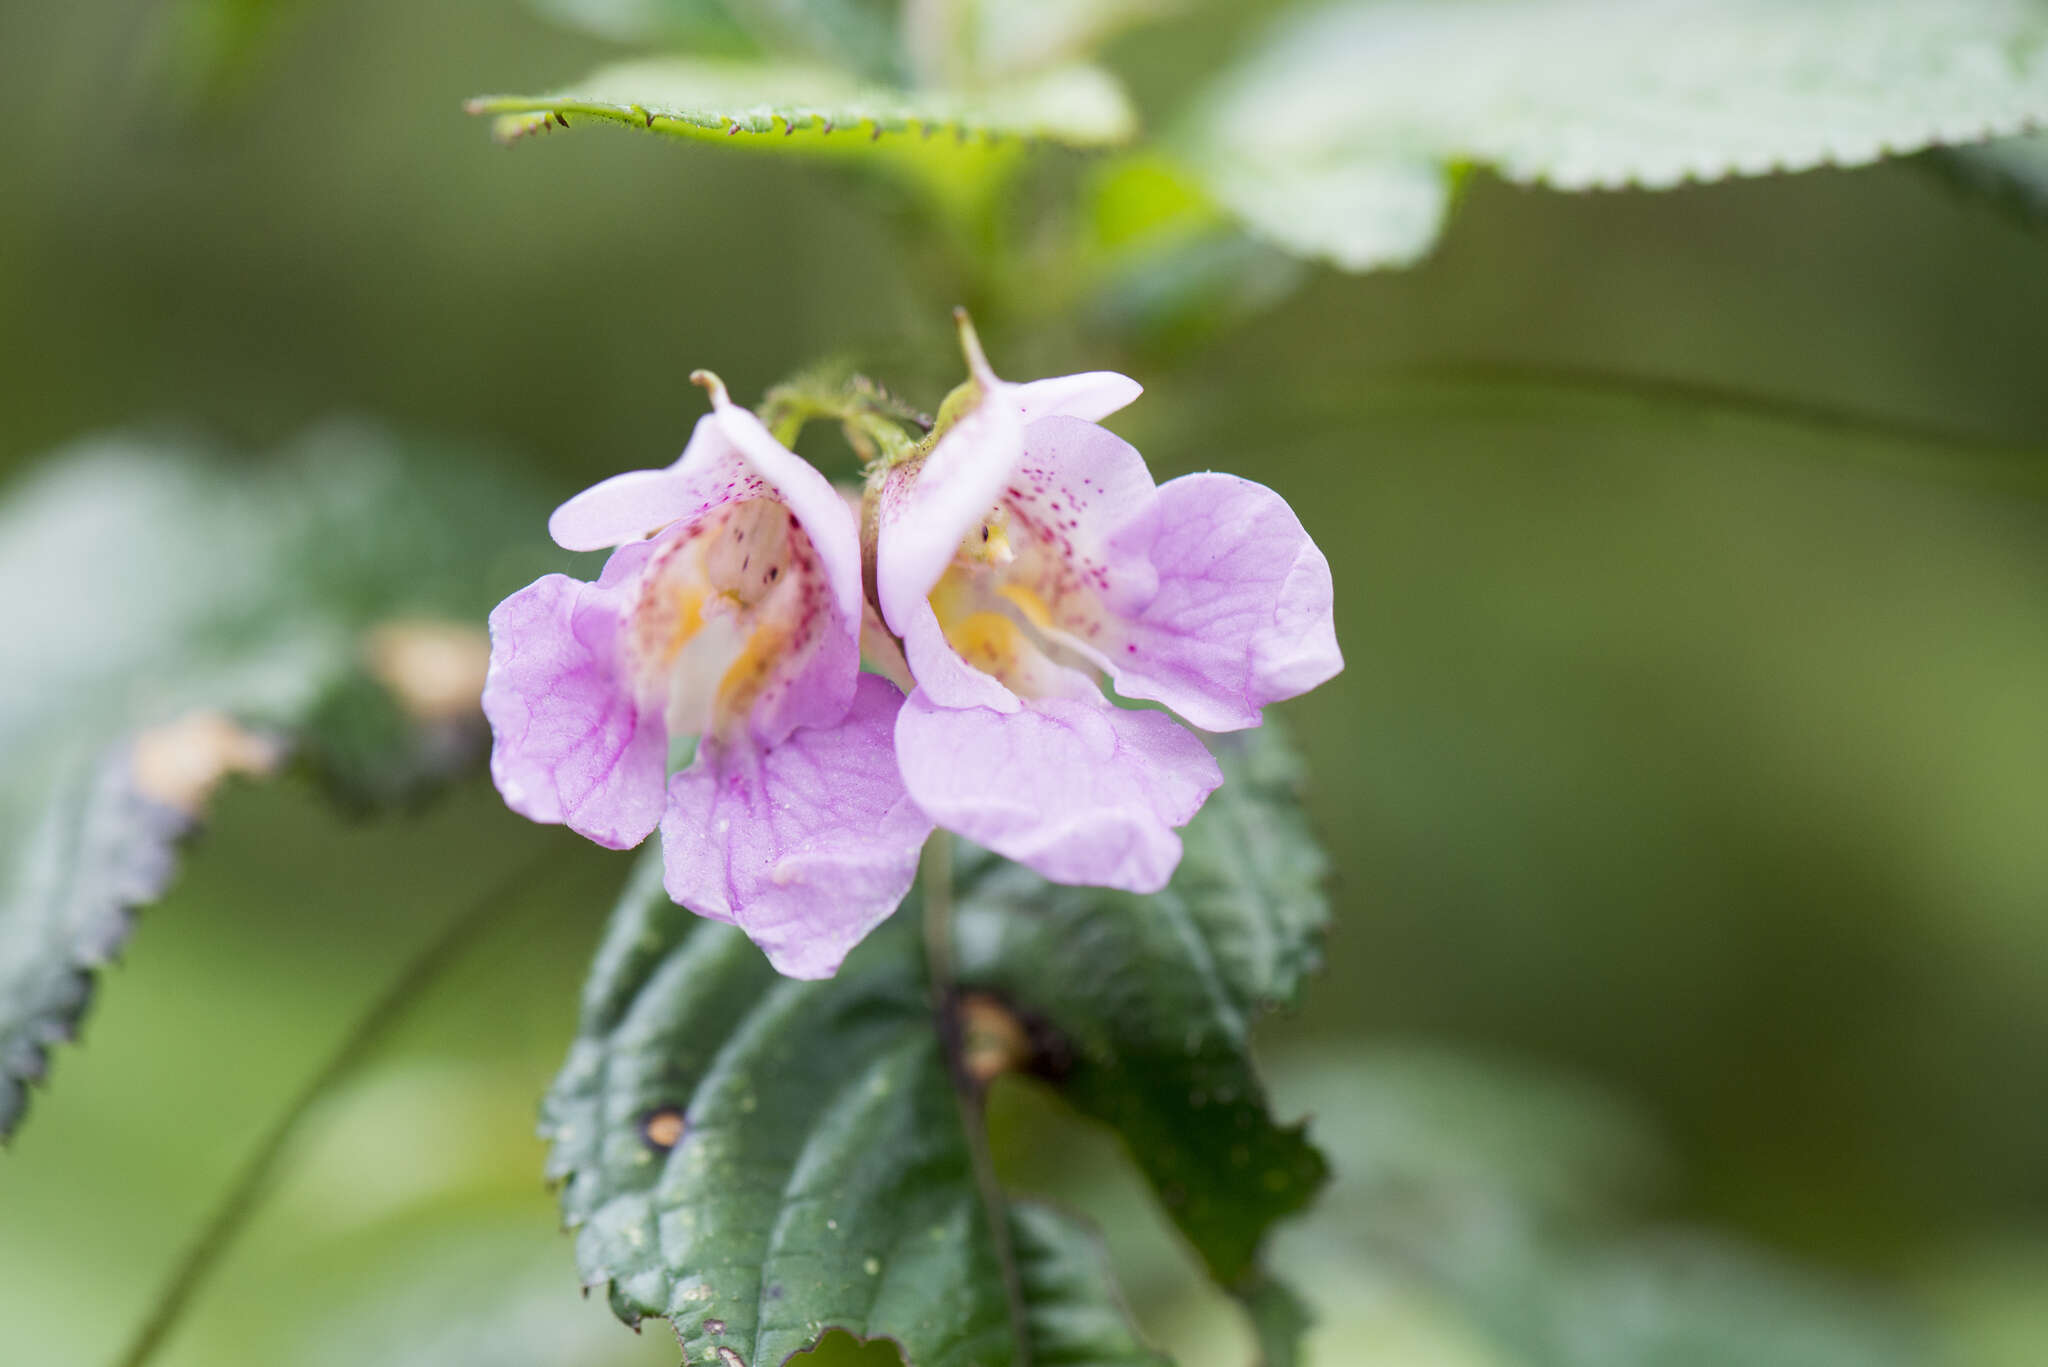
x=181, y=762
x=993, y=1041
x=661, y=1129
x=434, y=669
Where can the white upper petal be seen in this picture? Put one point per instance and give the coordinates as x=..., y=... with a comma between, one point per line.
x=1092, y=395
x=925, y=515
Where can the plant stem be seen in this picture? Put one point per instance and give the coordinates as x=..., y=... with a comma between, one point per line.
x=252, y=1182
x=937, y=875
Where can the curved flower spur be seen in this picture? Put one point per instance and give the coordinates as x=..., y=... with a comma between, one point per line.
x=730, y=611
x=1025, y=556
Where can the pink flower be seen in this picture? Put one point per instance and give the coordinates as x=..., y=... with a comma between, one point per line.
x=731, y=612
x=1028, y=556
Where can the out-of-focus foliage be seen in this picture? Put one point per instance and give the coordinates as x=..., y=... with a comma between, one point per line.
x=864, y=37
x=1344, y=136
x=191, y=623
x=1485, y=1216
x=1009, y=38
x=877, y=39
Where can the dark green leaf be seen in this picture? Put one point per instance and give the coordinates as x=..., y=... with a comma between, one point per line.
x=193, y=620
x=1150, y=1000
x=1343, y=136
x=816, y=109
x=761, y=1160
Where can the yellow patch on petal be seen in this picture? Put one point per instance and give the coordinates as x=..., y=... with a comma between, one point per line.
x=688, y=606
x=989, y=641
x=1030, y=604
x=751, y=670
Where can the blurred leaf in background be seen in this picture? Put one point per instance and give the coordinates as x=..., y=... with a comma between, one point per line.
x=1689, y=552
x=1344, y=135
x=188, y=623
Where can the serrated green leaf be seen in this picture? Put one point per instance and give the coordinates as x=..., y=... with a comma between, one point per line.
x=96, y=850
x=1342, y=136
x=192, y=613
x=1153, y=998
x=1252, y=877
x=760, y=1160
x=816, y=109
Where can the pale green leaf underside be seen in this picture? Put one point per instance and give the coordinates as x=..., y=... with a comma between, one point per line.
x=1341, y=137
x=864, y=36
x=812, y=107
x=1036, y=34
x=869, y=37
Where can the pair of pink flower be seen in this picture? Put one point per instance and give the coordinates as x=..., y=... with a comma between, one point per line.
x=1021, y=559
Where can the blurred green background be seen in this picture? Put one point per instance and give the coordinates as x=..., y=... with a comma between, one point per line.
x=1693, y=750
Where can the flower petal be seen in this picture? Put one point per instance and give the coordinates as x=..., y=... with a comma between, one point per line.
x=730, y=457
x=709, y=474
x=941, y=674
x=1078, y=790
x=569, y=742
x=1093, y=395
x=1242, y=616
x=1084, y=500
x=927, y=508
x=807, y=846
x=833, y=527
